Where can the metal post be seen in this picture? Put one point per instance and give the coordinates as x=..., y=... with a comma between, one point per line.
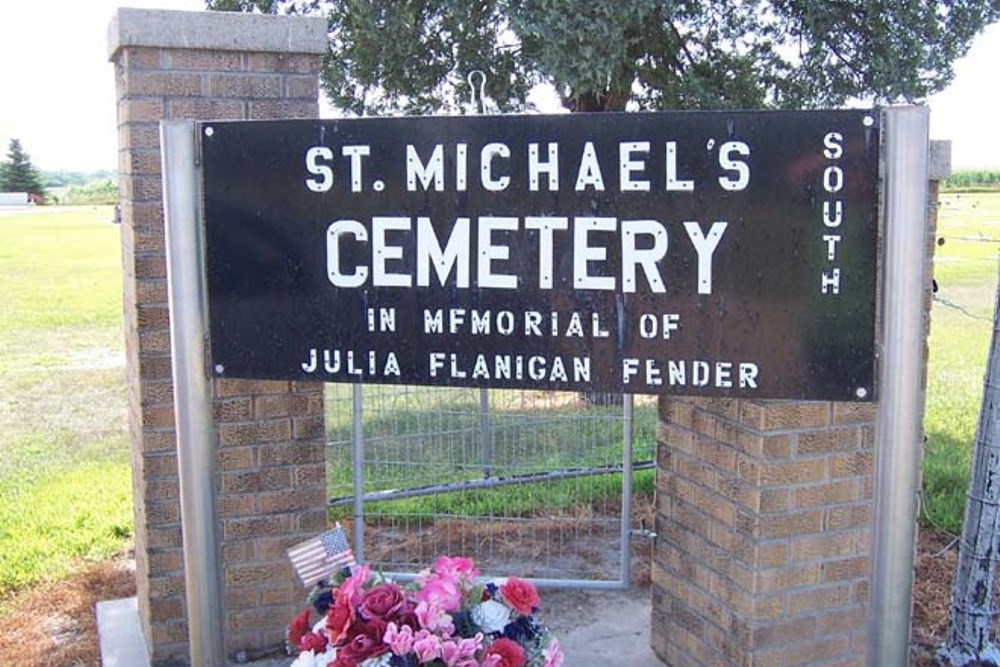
x=628, y=421
x=192, y=391
x=485, y=433
x=898, y=431
x=358, y=474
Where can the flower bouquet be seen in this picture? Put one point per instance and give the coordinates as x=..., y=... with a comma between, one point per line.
x=446, y=618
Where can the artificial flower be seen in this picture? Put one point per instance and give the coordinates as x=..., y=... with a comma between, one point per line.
x=444, y=619
x=520, y=595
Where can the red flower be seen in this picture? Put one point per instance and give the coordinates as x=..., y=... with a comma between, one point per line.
x=520, y=595
x=384, y=601
x=365, y=642
x=339, y=618
x=299, y=627
x=311, y=641
x=510, y=652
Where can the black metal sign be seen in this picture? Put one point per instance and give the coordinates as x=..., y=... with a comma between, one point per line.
x=698, y=253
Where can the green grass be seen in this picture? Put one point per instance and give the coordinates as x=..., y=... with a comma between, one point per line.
x=966, y=272
x=65, y=489
x=431, y=437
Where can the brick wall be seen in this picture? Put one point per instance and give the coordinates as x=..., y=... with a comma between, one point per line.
x=271, y=455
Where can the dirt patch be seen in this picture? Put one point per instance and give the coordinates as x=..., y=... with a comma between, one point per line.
x=54, y=624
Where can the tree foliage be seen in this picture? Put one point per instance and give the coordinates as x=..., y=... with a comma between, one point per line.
x=412, y=56
x=17, y=173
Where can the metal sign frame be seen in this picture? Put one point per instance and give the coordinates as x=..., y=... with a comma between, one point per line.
x=901, y=359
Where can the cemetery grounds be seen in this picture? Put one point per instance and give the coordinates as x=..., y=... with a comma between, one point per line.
x=65, y=481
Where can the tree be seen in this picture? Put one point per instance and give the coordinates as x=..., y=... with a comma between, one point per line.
x=412, y=56
x=17, y=173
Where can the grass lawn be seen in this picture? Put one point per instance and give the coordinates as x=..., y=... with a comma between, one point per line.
x=965, y=269
x=65, y=489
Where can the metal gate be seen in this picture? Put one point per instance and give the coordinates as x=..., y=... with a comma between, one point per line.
x=537, y=484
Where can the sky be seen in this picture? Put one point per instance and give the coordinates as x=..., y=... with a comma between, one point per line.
x=57, y=87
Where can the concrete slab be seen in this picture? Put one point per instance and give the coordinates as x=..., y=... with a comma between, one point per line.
x=595, y=629
x=122, y=643
x=600, y=628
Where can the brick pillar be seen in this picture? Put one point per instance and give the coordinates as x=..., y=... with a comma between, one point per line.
x=271, y=455
x=765, y=520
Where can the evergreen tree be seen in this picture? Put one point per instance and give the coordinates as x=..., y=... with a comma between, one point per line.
x=17, y=173
x=412, y=56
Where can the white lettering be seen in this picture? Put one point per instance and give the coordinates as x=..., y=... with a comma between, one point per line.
x=833, y=179
x=355, y=153
x=546, y=227
x=488, y=253
x=627, y=166
x=630, y=368
x=480, y=324
x=705, y=247
x=748, y=375
x=833, y=142
x=433, y=323
x=674, y=183
x=585, y=253
x=632, y=255
x=461, y=166
x=454, y=256
x=590, y=171
x=742, y=177
x=384, y=252
x=838, y=213
x=831, y=245
x=831, y=282
x=313, y=156
x=486, y=156
x=417, y=170
x=334, y=233
x=536, y=167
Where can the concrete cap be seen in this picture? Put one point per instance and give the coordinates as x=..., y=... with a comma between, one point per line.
x=939, y=165
x=216, y=31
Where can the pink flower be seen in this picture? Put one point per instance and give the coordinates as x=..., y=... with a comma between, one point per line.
x=520, y=595
x=553, y=655
x=400, y=640
x=461, y=652
x=353, y=587
x=433, y=618
x=442, y=590
x=427, y=647
x=462, y=570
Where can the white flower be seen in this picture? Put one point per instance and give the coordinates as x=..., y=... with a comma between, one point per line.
x=312, y=659
x=381, y=661
x=491, y=616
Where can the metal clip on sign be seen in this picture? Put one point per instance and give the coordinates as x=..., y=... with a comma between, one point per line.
x=478, y=102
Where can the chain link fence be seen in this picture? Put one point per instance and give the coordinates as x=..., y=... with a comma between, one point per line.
x=526, y=482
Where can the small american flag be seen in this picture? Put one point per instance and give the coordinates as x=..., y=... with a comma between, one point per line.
x=318, y=558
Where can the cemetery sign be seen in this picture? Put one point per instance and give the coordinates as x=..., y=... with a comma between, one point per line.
x=694, y=253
